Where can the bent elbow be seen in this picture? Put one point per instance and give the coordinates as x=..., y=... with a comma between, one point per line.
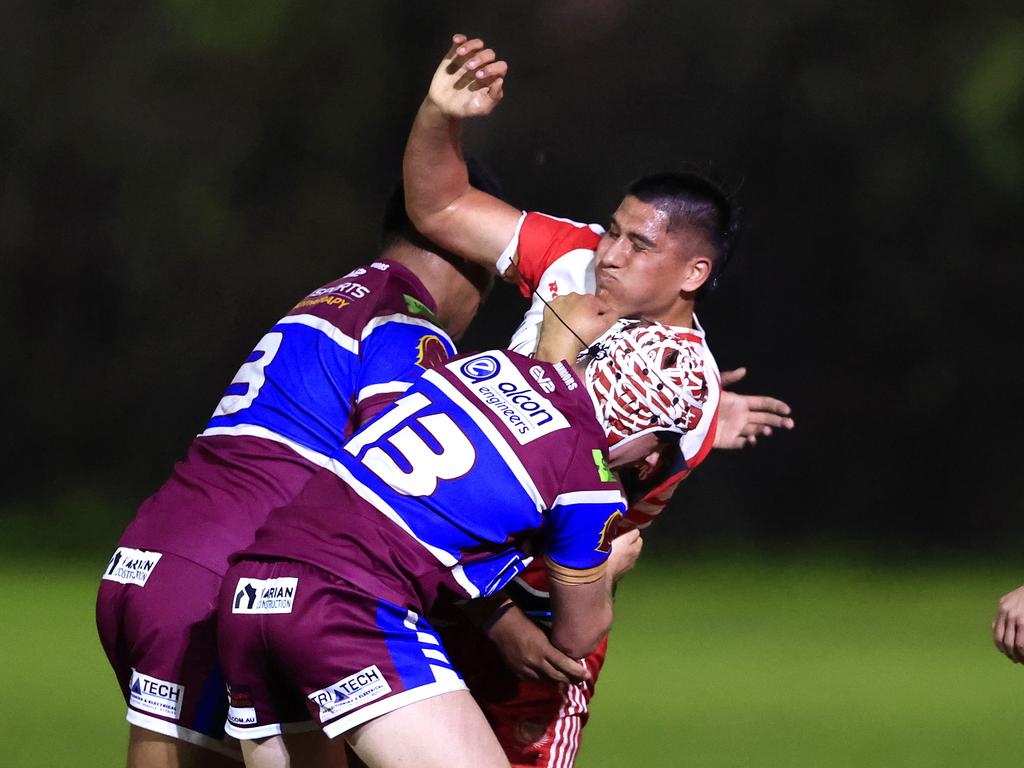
x=580, y=641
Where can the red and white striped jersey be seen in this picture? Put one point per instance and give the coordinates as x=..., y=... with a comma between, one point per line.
x=555, y=257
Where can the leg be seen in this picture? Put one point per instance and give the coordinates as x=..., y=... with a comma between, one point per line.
x=148, y=749
x=438, y=732
x=300, y=749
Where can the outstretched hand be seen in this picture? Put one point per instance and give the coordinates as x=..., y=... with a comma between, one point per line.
x=1008, y=626
x=742, y=419
x=469, y=80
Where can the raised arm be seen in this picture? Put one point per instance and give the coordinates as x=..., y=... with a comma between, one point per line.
x=440, y=201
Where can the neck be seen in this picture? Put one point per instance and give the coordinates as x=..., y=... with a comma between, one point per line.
x=680, y=314
x=456, y=297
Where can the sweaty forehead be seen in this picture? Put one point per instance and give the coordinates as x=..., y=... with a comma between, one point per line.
x=634, y=215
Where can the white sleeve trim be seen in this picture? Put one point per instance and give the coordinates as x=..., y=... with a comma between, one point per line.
x=504, y=262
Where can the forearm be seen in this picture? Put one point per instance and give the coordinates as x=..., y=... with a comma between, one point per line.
x=581, y=615
x=434, y=171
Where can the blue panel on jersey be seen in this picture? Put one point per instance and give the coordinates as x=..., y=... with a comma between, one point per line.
x=302, y=391
x=400, y=351
x=413, y=650
x=445, y=512
x=580, y=537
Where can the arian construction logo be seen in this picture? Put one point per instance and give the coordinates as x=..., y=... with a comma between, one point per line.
x=131, y=566
x=265, y=595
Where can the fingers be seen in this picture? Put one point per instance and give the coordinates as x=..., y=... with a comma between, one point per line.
x=731, y=377
x=568, y=669
x=629, y=536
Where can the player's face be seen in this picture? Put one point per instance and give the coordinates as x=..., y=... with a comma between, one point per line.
x=642, y=269
x=638, y=451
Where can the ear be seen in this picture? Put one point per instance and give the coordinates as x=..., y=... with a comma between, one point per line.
x=696, y=273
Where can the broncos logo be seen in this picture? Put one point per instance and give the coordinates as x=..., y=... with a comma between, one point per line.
x=431, y=352
x=609, y=531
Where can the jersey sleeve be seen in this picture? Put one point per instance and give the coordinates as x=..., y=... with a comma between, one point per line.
x=394, y=351
x=540, y=240
x=583, y=522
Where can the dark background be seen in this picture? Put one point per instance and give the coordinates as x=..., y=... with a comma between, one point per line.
x=176, y=175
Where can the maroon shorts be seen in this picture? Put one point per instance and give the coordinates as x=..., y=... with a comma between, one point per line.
x=156, y=619
x=302, y=648
x=538, y=723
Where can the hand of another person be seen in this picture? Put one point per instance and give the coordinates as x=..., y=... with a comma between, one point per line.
x=528, y=652
x=571, y=322
x=1008, y=626
x=626, y=548
x=744, y=418
x=469, y=80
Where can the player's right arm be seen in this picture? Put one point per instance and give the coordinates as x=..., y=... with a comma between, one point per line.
x=438, y=196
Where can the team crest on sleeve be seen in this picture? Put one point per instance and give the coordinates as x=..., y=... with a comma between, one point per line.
x=430, y=352
x=131, y=566
x=350, y=692
x=265, y=595
x=609, y=531
x=499, y=385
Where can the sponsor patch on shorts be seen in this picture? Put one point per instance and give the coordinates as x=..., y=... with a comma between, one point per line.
x=353, y=691
x=265, y=595
x=151, y=694
x=242, y=715
x=131, y=566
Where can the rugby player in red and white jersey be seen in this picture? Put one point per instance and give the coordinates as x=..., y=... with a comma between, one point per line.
x=665, y=245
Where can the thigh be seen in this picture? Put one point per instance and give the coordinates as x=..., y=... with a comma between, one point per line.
x=437, y=732
x=156, y=616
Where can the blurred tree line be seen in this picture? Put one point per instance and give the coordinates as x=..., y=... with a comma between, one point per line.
x=175, y=175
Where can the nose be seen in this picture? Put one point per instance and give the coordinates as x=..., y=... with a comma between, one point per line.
x=614, y=254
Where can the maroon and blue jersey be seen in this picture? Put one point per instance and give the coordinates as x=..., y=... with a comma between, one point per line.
x=486, y=461
x=338, y=357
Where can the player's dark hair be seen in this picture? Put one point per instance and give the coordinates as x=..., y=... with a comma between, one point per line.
x=396, y=224
x=695, y=202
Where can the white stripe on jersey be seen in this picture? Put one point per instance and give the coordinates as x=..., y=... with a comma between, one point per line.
x=378, y=322
x=251, y=430
x=343, y=340
x=492, y=433
x=387, y=388
x=588, y=497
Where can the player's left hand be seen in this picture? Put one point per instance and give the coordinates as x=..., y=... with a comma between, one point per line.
x=468, y=82
x=528, y=652
x=742, y=419
x=1008, y=626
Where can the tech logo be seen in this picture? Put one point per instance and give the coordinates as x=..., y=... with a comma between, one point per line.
x=430, y=352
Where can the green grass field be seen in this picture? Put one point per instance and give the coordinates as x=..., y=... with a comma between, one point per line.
x=712, y=663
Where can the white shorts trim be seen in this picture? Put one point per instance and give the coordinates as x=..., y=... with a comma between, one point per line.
x=390, y=704
x=264, y=731
x=229, y=749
